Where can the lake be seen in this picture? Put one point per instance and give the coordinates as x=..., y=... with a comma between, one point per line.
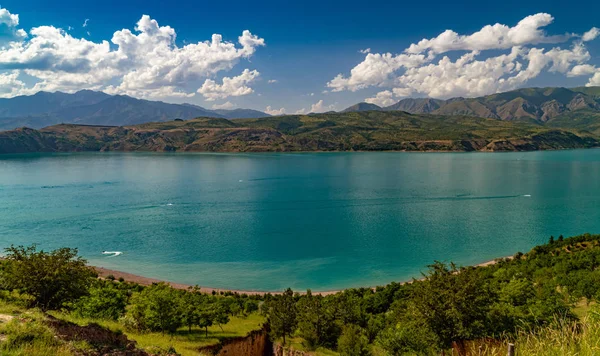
x=323, y=221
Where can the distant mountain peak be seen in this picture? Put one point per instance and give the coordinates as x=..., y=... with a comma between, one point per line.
x=362, y=107
x=98, y=108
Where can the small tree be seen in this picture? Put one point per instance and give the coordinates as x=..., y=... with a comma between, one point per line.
x=192, y=304
x=353, y=342
x=205, y=317
x=104, y=301
x=157, y=308
x=53, y=279
x=220, y=315
x=282, y=314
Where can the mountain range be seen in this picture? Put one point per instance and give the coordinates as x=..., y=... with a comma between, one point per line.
x=539, y=105
x=98, y=108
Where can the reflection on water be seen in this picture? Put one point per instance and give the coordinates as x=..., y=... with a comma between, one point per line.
x=320, y=221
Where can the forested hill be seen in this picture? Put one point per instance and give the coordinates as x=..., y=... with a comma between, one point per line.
x=352, y=131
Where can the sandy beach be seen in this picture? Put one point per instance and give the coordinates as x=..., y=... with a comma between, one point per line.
x=146, y=281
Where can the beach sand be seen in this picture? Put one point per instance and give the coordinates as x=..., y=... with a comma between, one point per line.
x=145, y=281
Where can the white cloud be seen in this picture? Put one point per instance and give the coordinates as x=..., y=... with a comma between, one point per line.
x=498, y=36
x=10, y=85
x=591, y=34
x=321, y=107
x=383, y=98
x=8, y=28
x=421, y=70
x=272, y=81
x=365, y=51
x=300, y=112
x=85, y=23
x=226, y=106
x=275, y=112
x=581, y=69
x=144, y=63
x=376, y=69
x=402, y=92
x=235, y=86
x=594, y=81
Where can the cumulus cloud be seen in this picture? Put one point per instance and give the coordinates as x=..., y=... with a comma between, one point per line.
x=8, y=28
x=145, y=62
x=365, y=51
x=275, y=112
x=226, y=106
x=10, y=85
x=527, y=31
x=383, y=98
x=321, y=107
x=236, y=86
x=424, y=68
x=594, y=81
x=591, y=34
x=582, y=69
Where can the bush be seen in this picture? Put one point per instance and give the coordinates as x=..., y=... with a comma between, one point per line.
x=103, y=302
x=52, y=279
x=157, y=308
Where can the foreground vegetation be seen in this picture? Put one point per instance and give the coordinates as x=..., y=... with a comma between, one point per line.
x=532, y=300
x=543, y=301
x=351, y=131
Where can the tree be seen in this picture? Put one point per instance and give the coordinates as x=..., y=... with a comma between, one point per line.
x=316, y=322
x=53, y=279
x=453, y=303
x=206, y=317
x=551, y=241
x=220, y=315
x=353, y=342
x=157, y=308
x=104, y=301
x=193, y=302
x=250, y=306
x=282, y=314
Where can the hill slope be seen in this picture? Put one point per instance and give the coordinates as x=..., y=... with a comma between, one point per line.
x=366, y=131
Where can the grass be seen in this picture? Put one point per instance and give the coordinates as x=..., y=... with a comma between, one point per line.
x=27, y=334
x=184, y=342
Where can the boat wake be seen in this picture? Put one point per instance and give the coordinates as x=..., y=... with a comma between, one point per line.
x=527, y=195
x=112, y=253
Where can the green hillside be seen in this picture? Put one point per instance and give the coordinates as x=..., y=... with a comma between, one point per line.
x=352, y=131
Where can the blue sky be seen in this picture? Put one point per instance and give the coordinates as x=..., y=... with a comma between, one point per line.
x=306, y=45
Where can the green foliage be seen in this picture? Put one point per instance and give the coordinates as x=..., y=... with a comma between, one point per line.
x=251, y=306
x=316, y=321
x=52, y=279
x=281, y=314
x=353, y=342
x=157, y=308
x=104, y=301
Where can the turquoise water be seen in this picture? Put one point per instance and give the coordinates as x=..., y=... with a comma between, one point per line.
x=270, y=221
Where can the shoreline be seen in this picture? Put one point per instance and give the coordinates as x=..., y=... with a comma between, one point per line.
x=146, y=281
